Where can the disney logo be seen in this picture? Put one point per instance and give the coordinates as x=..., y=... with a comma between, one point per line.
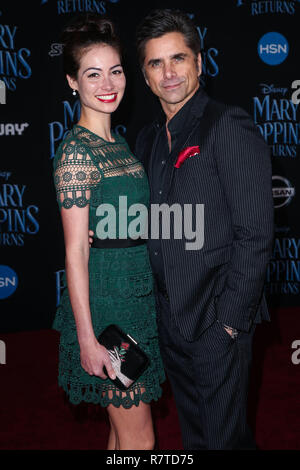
x=5, y=175
x=281, y=229
x=267, y=89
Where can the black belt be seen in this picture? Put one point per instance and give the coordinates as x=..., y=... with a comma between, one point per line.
x=117, y=242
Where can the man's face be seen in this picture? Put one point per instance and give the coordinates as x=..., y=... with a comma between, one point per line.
x=171, y=70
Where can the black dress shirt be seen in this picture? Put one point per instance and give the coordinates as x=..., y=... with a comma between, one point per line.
x=180, y=121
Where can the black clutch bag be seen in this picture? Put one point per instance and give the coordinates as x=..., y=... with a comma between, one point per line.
x=128, y=359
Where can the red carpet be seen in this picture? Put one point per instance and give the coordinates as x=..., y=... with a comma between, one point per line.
x=34, y=413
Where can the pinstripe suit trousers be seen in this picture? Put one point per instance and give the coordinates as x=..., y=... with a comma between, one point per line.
x=209, y=380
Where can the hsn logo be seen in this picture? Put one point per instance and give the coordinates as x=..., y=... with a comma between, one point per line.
x=8, y=281
x=273, y=48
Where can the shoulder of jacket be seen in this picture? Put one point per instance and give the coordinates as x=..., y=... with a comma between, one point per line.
x=148, y=130
x=146, y=134
x=225, y=110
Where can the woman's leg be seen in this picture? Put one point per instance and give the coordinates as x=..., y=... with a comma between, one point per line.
x=133, y=427
x=112, y=439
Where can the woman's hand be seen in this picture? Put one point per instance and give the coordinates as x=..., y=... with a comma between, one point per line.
x=94, y=357
x=91, y=234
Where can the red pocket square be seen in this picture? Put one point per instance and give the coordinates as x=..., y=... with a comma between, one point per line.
x=186, y=153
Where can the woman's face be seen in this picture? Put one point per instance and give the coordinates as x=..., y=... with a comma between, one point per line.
x=100, y=79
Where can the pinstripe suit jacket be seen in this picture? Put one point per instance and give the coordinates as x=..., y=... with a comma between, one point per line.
x=232, y=178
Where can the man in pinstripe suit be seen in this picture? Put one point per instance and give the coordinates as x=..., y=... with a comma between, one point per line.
x=208, y=300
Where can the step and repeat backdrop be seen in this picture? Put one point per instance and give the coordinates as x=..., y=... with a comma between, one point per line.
x=250, y=53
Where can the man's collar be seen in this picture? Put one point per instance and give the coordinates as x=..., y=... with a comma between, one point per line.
x=196, y=104
x=200, y=101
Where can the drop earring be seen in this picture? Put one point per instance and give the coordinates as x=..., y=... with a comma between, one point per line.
x=74, y=92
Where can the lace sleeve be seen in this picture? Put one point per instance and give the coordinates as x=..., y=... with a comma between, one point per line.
x=74, y=175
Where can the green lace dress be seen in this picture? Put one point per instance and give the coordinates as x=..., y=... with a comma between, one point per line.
x=91, y=171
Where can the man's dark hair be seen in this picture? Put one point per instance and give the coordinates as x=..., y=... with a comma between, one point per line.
x=162, y=21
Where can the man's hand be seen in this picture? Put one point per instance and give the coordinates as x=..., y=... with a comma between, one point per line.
x=91, y=234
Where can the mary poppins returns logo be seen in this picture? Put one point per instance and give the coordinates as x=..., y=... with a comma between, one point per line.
x=13, y=58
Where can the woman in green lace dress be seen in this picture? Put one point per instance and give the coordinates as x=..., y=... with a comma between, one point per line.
x=109, y=285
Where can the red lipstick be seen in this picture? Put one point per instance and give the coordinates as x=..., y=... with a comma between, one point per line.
x=109, y=98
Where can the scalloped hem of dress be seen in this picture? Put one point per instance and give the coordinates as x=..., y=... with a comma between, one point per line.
x=101, y=397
